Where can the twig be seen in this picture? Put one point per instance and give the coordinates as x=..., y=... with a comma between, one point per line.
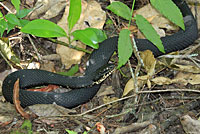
x=6, y=7
x=34, y=47
x=179, y=56
x=127, y=97
x=69, y=45
x=140, y=63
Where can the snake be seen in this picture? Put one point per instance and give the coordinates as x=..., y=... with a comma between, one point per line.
x=85, y=87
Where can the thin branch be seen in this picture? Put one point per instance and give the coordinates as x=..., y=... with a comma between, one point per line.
x=6, y=7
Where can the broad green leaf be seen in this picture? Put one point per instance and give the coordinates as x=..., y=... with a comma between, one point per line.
x=71, y=72
x=90, y=36
x=24, y=22
x=149, y=32
x=169, y=10
x=125, y=48
x=22, y=13
x=43, y=28
x=120, y=9
x=7, y=52
x=74, y=13
x=3, y=26
x=16, y=4
x=11, y=18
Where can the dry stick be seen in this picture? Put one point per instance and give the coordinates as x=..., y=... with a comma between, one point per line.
x=140, y=63
x=127, y=97
x=69, y=45
x=34, y=47
x=6, y=7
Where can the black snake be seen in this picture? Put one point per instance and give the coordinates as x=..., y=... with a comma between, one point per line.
x=98, y=58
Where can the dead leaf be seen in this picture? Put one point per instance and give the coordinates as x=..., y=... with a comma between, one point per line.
x=190, y=126
x=193, y=79
x=149, y=62
x=45, y=110
x=130, y=84
x=107, y=99
x=162, y=81
x=105, y=90
x=94, y=16
x=182, y=78
x=49, y=8
x=7, y=51
x=48, y=66
x=186, y=68
x=7, y=113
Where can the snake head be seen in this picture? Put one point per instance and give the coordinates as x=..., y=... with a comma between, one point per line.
x=102, y=73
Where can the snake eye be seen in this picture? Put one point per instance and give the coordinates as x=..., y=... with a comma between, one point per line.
x=103, y=72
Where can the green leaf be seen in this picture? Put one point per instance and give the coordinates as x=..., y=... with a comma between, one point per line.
x=1, y=15
x=43, y=28
x=3, y=26
x=90, y=36
x=149, y=32
x=16, y=4
x=24, y=22
x=22, y=13
x=10, y=27
x=74, y=13
x=169, y=10
x=125, y=48
x=11, y=18
x=71, y=72
x=120, y=9
x=70, y=132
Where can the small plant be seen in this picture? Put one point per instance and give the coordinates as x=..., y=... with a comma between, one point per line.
x=120, y=9
x=11, y=20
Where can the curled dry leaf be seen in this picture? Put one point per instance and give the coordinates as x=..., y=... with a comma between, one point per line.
x=186, y=68
x=182, y=78
x=149, y=62
x=188, y=77
x=91, y=14
x=162, y=81
x=7, y=52
x=130, y=84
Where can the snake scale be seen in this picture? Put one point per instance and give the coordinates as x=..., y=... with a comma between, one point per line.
x=83, y=93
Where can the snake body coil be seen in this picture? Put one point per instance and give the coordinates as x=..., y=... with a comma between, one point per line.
x=100, y=57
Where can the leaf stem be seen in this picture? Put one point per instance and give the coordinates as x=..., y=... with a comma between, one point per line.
x=129, y=23
x=69, y=45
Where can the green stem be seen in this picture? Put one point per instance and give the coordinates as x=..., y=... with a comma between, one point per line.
x=129, y=23
x=69, y=45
